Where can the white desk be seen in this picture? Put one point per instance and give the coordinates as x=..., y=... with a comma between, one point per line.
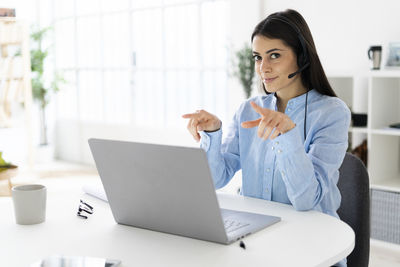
x=300, y=239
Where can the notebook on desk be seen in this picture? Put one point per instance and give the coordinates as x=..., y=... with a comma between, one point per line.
x=168, y=189
x=95, y=191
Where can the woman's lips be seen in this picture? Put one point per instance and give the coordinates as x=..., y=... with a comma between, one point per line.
x=269, y=80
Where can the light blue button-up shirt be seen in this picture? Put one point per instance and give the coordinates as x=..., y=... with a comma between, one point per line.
x=290, y=169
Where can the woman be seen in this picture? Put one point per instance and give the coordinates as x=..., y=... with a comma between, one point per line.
x=290, y=142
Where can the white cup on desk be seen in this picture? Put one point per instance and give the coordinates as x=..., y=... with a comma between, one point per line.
x=29, y=203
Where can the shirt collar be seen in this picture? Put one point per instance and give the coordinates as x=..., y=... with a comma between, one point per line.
x=296, y=101
x=301, y=99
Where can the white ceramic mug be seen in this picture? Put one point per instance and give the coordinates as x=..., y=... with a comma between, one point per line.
x=29, y=203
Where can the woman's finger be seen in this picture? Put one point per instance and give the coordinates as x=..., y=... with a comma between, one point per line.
x=199, y=115
x=212, y=124
x=204, y=126
x=192, y=116
x=189, y=115
x=275, y=134
x=251, y=124
x=189, y=126
x=266, y=133
x=257, y=108
x=193, y=129
x=276, y=124
x=261, y=128
x=201, y=120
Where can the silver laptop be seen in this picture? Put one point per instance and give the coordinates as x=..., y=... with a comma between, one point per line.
x=168, y=189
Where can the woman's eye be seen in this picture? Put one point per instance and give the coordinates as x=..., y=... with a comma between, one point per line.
x=256, y=57
x=275, y=55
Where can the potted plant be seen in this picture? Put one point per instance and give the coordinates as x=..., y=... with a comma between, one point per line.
x=41, y=89
x=244, y=68
x=7, y=171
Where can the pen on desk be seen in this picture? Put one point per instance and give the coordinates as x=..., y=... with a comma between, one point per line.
x=86, y=204
x=80, y=209
x=81, y=216
x=242, y=244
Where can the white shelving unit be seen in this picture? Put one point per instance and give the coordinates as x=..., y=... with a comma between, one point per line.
x=377, y=93
x=15, y=76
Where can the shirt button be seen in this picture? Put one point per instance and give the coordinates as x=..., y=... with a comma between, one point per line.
x=289, y=109
x=272, y=148
x=290, y=103
x=266, y=190
x=279, y=151
x=268, y=170
x=277, y=143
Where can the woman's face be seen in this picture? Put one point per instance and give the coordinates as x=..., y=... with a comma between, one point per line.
x=274, y=61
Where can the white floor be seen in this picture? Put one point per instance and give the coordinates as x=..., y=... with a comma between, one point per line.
x=382, y=254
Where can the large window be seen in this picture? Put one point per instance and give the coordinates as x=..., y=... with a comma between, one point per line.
x=141, y=62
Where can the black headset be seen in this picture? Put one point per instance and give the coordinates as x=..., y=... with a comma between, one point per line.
x=302, y=59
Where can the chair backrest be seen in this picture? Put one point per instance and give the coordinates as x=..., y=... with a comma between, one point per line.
x=355, y=207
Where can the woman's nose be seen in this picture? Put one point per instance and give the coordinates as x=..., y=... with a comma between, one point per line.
x=265, y=66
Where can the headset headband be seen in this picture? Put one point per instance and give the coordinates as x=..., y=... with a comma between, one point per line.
x=299, y=35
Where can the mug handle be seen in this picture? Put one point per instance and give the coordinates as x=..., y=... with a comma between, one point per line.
x=369, y=53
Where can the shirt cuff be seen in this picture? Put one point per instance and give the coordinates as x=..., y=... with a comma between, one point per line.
x=208, y=138
x=287, y=143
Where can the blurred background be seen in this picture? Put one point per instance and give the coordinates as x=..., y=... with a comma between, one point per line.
x=131, y=68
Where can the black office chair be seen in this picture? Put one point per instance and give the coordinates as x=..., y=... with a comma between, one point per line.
x=355, y=207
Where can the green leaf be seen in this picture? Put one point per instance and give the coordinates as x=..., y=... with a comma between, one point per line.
x=2, y=161
x=245, y=68
x=38, y=34
x=40, y=92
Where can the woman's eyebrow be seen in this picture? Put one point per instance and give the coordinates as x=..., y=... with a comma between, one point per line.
x=269, y=51
x=272, y=50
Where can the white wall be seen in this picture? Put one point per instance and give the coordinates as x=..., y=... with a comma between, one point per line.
x=343, y=30
x=244, y=16
x=71, y=136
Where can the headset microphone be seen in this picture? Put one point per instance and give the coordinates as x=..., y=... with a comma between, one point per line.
x=298, y=71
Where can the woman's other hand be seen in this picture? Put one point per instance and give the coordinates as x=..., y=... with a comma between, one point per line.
x=269, y=121
x=201, y=121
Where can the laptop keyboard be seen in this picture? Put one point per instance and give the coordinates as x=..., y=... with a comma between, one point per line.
x=231, y=225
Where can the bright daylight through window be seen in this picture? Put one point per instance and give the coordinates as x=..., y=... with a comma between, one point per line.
x=141, y=62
